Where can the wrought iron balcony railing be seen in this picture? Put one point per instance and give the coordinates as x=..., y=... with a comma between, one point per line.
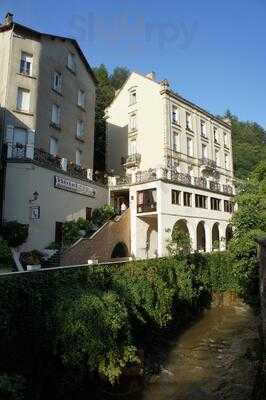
x=201, y=182
x=133, y=159
x=206, y=162
x=215, y=186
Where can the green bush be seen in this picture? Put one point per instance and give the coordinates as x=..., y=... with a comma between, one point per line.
x=15, y=233
x=72, y=230
x=102, y=214
x=12, y=387
x=6, y=259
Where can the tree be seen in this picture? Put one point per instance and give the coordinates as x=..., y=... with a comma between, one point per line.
x=119, y=76
x=249, y=145
x=249, y=223
x=105, y=92
x=180, y=243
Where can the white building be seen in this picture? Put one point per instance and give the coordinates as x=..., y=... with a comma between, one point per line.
x=171, y=162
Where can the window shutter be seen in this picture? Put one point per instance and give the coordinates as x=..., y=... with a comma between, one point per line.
x=30, y=144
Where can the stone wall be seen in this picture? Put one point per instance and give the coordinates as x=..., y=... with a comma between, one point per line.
x=100, y=246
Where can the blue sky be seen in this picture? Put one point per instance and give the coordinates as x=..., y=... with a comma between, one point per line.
x=213, y=53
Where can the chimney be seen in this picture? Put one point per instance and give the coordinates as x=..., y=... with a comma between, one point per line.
x=8, y=19
x=151, y=76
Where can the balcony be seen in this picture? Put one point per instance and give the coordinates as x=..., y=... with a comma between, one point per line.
x=227, y=189
x=215, y=186
x=178, y=177
x=40, y=157
x=200, y=182
x=132, y=160
x=146, y=176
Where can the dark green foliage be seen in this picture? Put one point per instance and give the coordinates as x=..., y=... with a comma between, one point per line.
x=119, y=76
x=249, y=145
x=102, y=214
x=15, y=233
x=12, y=387
x=73, y=230
x=6, y=259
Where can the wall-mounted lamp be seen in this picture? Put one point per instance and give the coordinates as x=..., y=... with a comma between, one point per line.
x=35, y=197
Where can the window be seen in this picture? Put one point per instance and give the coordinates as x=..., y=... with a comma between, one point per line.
x=189, y=121
x=17, y=139
x=53, y=146
x=225, y=139
x=26, y=64
x=217, y=158
x=215, y=134
x=57, y=81
x=226, y=161
x=81, y=98
x=133, y=122
x=175, y=142
x=78, y=157
x=228, y=206
x=71, y=62
x=204, y=151
x=189, y=147
x=200, y=201
x=88, y=213
x=187, y=199
x=23, y=99
x=215, y=204
x=132, y=148
x=203, y=128
x=132, y=97
x=146, y=200
x=176, y=197
x=175, y=115
x=56, y=114
x=80, y=129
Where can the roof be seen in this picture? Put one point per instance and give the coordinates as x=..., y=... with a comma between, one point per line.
x=177, y=97
x=16, y=26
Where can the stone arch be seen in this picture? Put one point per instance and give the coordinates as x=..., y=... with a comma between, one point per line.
x=215, y=237
x=201, y=236
x=182, y=225
x=120, y=250
x=228, y=234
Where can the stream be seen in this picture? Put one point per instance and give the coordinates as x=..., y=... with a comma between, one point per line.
x=214, y=359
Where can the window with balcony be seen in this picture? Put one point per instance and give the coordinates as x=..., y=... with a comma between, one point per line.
x=176, y=197
x=217, y=157
x=81, y=98
x=187, y=199
x=78, y=157
x=80, y=129
x=215, y=135
x=53, y=146
x=57, y=81
x=23, y=100
x=189, y=147
x=71, y=62
x=175, y=141
x=203, y=128
x=188, y=121
x=215, y=204
x=56, y=115
x=146, y=200
x=200, y=201
x=133, y=122
x=26, y=64
x=132, y=97
x=175, y=115
x=228, y=206
x=204, y=150
x=226, y=161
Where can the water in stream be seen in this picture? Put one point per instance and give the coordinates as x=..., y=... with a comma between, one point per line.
x=215, y=359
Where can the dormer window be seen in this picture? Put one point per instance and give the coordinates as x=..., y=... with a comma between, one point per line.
x=132, y=97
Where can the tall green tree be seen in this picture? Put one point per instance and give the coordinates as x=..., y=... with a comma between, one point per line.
x=249, y=145
x=105, y=92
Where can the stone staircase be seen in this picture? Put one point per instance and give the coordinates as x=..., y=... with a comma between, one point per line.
x=101, y=244
x=53, y=261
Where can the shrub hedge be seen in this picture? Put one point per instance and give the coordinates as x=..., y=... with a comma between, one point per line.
x=91, y=320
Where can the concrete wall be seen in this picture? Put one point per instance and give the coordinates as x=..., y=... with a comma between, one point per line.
x=101, y=245
x=23, y=179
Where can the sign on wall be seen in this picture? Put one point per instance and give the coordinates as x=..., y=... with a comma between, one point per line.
x=71, y=186
x=35, y=213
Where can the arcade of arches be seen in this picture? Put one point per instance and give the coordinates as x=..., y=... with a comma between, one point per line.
x=205, y=235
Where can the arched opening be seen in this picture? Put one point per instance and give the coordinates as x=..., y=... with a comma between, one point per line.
x=120, y=250
x=181, y=225
x=215, y=237
x=228, y=235
x=201, y=237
